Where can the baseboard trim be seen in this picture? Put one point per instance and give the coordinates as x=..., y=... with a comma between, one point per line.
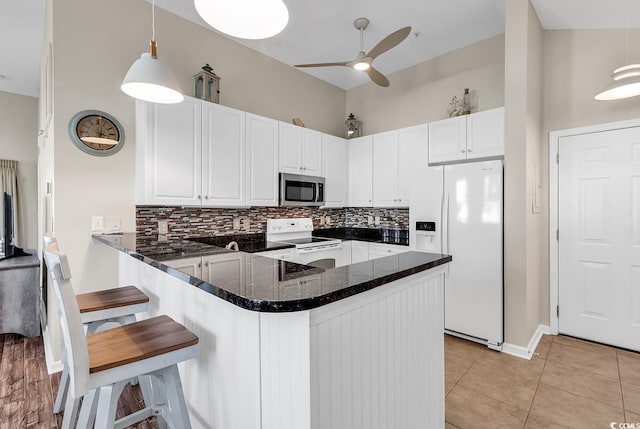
x=527, y=352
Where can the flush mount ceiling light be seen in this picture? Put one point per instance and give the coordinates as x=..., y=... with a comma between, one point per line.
x=626, y=83
x=246, y=19
x=149, y=79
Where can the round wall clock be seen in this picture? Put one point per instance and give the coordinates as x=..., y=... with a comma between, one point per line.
x=96, y=133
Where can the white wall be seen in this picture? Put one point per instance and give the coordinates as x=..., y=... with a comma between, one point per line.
x=422, y=93
x=91, y=56
x=18, y=141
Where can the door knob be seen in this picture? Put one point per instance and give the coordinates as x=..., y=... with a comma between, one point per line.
x=462, y=151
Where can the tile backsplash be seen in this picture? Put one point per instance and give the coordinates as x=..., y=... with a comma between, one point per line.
x=201, y=222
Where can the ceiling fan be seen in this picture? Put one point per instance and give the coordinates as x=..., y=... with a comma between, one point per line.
x=363, y=61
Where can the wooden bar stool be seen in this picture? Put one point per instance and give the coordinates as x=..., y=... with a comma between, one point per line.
x=117, y=306
x=101, y=364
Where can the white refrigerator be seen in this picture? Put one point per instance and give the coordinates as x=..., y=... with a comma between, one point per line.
x=466, y=203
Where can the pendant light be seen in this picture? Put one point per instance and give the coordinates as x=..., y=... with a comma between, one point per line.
x=148, y=78
x=245, y=19
x=626, y=80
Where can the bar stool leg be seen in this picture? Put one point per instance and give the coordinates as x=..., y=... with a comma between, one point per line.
x=70, y=413
x=107, y=404
x=87, y=415
x=175, y=397
x=61, y=396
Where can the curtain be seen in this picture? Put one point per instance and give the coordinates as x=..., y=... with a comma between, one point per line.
x=9, y=181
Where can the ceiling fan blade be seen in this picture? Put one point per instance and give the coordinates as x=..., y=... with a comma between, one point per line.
x=377, y=77
x=391, y=41
x=344, y=63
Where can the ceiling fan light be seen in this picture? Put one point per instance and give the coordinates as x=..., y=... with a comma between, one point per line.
x=245, y=19
x=149, y=79
x=362, y=65
x=626, y=83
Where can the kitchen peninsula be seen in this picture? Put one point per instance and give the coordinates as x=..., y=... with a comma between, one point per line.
x=290, y=346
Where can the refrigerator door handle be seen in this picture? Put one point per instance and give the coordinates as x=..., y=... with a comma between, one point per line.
x=445, y=229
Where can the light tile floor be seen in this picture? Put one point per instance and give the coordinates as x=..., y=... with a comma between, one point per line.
x=569, y=383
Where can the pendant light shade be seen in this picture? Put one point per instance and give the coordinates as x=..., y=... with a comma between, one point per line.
x=626, y=83
x=148, y=78
x=246, y=19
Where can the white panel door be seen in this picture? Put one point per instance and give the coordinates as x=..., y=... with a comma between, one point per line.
x=473, y=236
x=412, y=155
x=290, y=148
x=385, y=169
x=311, y=152
x=334, y=151
x=360, y=171
x=262, y=161
x=168, y=153
x=485, y=133
x=223, y=155
x=448, y=140
x=599, y=240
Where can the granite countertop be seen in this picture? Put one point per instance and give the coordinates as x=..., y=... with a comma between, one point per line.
x=388, y=236
x=249, y=243
x=266, y=284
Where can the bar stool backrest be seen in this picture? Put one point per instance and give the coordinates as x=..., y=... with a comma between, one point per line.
x=70, y=321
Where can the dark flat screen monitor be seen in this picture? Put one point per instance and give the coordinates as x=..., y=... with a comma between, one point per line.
x=8, y=248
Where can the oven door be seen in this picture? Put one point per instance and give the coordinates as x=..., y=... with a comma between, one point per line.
x=323, y=256
x=296, y=190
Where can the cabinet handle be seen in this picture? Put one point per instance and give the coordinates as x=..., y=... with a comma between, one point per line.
x=199, y=265
x=206, y=197
x=206, y=264
x=462, y=151
x=399, y=199
x=395, y=200
x=199, y=197
x=468, y=150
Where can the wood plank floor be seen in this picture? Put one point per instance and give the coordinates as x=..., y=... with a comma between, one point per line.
x=27, y=391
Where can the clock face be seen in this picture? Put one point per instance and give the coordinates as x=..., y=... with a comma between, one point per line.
x=96, y=133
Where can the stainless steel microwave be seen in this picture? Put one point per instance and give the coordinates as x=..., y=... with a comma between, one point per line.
x=297, y=190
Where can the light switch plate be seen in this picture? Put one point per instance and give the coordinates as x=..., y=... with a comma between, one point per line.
x=236, y=223
x=377, y=220
x=97, y=223
x=112, y=224
x=370, y=220
x=163, y=227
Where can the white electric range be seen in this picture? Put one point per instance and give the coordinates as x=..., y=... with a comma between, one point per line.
x=315, y=251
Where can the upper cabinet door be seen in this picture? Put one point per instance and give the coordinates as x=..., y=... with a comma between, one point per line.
x=334, y=151
x=168, y=153
x=385, y=169
x=360, y=171
x=290, y=148
x=311, y=152
x=412, y=154
x=262, y=161
x=485, y=133
x=447, y=140
x=223, y=156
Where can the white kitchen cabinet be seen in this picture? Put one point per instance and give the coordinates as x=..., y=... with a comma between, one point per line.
x=300, y=150
x=380, y=250
x=385, y=169
x=169, y=153
x=228, y=269
x=334, y=154
x=190, y=266
x=396, y=155
x=478, y=135
x=448, y=140
x=360, y=171
x=412, y=155
x=262, y=161
x=190, y=154
x=485, y=134
x=359, y=251
x=223, y=156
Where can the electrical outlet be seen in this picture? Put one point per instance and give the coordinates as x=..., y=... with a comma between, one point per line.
x=163, y=227
x=246, y=224
x=113, y=224
x=377, y=220
x=97, y=223
x=327, y=220
x=369, y=220
x=236, y=223
x=321, y=222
